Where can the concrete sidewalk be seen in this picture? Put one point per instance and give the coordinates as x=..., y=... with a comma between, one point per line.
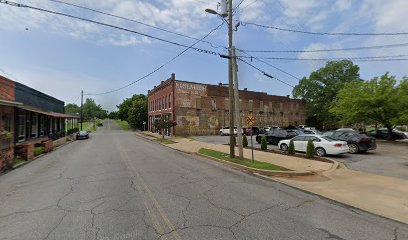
x=377, y=194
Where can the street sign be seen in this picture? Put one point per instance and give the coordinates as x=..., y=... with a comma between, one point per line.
x=250, y=120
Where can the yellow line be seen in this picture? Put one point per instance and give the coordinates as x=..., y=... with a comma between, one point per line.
x=151, y=196
x=152, y=216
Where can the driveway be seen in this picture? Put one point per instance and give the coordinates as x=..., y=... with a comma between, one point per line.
x=389, y=159
x=118, y=186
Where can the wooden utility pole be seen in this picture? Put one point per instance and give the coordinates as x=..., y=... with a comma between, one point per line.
x=82, y=103
x=230, y=83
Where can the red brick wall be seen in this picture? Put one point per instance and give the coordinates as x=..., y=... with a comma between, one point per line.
x=156, y=98
x=7, y=89
x=7, y=145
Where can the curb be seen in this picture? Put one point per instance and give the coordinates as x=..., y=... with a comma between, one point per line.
x=252, y=170
x=274, y=173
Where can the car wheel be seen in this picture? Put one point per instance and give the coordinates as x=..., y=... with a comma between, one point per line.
x=353, y=148
x=320, y=152
x=284, y=147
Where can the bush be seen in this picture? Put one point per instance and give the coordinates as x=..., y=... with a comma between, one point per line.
x=264, y=143
x=310, y=149
x=291, y=148
x=244, y=141
x=38, y=151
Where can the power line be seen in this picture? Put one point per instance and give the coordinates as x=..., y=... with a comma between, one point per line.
x=331, y=50
x=249, y=4
x=360, y=60
x=324, y=33
x=132, y=20
x=160, y=67
x=108, y=25
x=337, y=58
x=265, y=62
x=264, y=73
x=239, y=4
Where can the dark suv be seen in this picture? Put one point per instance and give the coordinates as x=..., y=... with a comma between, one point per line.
x=383, y=134
x=356, y=141
x=273, y=136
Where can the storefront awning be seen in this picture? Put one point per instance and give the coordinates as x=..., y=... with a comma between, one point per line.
x=51, y=114
x=9, y=103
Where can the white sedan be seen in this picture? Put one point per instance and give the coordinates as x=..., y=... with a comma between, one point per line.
x=225, y=131
x=323, y=144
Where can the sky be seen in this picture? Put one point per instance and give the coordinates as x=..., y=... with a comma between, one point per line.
x=61, y=56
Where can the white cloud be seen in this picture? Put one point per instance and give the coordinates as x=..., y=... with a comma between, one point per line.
x=182, y=16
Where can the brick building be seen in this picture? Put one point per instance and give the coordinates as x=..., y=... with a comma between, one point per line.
x=202, y=109
x=27, y=118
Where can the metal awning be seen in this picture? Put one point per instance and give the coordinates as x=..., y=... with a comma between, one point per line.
x=9, y=103
x=51, y=114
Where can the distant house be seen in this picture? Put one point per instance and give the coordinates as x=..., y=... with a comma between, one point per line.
x=27, y=118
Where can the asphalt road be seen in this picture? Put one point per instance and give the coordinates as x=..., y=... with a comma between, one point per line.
x=118, y=186
x=389, y=159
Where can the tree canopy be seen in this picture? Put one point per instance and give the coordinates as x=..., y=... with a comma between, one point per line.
x=92, y=110
x=134, y=110
x=72, y=108
x=320, y=90
x=380, y=100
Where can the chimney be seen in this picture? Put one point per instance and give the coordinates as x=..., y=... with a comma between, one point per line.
x=220, y=84
x=245, y=89
x=173, y=76
x=162, y=82
x=288, y=96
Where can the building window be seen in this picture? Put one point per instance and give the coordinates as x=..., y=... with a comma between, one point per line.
x=34, y=125
x=170, y=98
x=213, y=104
x=21, y=125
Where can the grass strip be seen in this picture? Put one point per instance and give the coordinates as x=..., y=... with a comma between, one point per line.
x=246, y=162
x=17, y=162
x=123, y=124
x=165, y=141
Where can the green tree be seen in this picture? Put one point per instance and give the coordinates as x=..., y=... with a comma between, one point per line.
x=113, y=115
x=163, y=123
x=264, y=143
x=291, y=148
x=379, y=100
x=310, y=149
x=319, y=91
x=134, y=110
x=91, y=110
x=138, y=113
x=244, y=141
x=72, y=108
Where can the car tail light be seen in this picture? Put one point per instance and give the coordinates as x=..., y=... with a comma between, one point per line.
x=338, y=145
x=364, y=139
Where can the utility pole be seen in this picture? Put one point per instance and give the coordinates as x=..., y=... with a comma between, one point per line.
x=230, y=83
x=237, y=104
x=82, y=103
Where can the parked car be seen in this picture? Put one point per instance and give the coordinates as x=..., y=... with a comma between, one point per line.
x=255, y=131
x=405, y=133
x=356, y=141
x=275, y=135
x=82, y=135
x=323, y=144
x=383, y=134
x=311, y=131
x=225, y=131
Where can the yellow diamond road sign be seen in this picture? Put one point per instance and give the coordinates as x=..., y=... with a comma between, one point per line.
x=250, y=120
